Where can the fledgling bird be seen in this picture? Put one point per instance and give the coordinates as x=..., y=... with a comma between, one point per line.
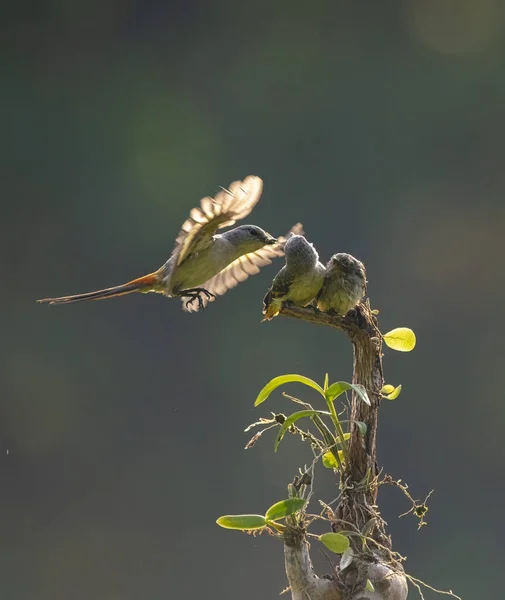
x=298, y=281
x=344, y=284
x=205, y=264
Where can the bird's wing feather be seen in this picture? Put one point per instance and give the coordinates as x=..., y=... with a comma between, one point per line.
x=227, y=207
x=240, y=269
x=272, y=302
x=281, y=284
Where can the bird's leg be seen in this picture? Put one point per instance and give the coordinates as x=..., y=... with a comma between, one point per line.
x=195, y=294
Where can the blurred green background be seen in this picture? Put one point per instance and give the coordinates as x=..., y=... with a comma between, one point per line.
x=380, y=126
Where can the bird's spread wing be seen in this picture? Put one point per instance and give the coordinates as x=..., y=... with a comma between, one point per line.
x=227, y=207
x=240, y=269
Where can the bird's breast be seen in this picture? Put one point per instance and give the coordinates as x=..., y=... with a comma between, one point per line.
x=198, y=268
x=340, y=292
x=304, y=289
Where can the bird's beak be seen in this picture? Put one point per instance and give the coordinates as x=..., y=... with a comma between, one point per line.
x=271, y=241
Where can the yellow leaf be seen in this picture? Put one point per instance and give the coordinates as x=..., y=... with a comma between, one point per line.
x=401, y=339
x=329, y=460
x=395, y=393
x=387, y=389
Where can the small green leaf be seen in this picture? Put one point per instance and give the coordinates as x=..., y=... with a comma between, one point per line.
x=329, y=460
x=284, y=508
x=242, y=522
x=362, y=393
x=359, y=424
x=395, y=393
x=281, y=380
x=401, y=339
x=369, y=586
x=292, y=419
x=387, y=389
x=336, y=542
x=362, y=427
x=325, y=386
x=337, y=388
x=346, y=559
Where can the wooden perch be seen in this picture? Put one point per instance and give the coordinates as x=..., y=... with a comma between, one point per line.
x=357, y=505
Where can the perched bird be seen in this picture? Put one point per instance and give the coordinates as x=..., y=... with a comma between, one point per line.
x=344, y=284
x=205, y=264
x=298, y=281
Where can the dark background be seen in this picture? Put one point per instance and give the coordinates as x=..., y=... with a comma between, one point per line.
x=380, y=126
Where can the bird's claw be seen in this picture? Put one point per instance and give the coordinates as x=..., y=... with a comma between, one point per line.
x=196, y=294
x=192, y=299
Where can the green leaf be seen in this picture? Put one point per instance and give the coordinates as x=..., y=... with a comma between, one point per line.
x=395, y=393
x=242, y=522
x=284, y=508
x=292, y=419
x=362, y=427
x=387, y=389
x=401, y=339
x=281, y=380
x=337, y=388
x=362, y=393
x=359, y=424
x=329, y=460
x=336, y=542
x=369, y=586
x=325, y=386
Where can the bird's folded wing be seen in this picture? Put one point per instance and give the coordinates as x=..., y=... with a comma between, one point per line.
x=227, y=207
x=280, y=286
x=240, y=269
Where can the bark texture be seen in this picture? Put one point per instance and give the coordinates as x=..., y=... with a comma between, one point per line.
x=304, y=583
x=358, y=485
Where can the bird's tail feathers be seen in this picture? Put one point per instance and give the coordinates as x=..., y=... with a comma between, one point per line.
x=144, y=284
x=271, y=307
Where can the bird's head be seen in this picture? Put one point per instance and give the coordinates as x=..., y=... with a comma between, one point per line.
x=300, y=252
x=249, y=238
x=347, y=264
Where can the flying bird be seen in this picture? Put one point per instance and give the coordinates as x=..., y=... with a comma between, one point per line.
x=204, y=263
x=299, y=281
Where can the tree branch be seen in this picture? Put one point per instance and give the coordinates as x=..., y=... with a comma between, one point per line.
x=303, y=581
x=359, y=481
x=361, y=328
